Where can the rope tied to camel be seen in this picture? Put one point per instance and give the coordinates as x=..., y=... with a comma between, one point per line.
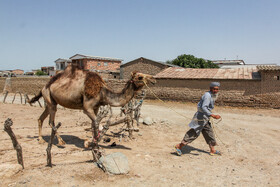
x=165, y=103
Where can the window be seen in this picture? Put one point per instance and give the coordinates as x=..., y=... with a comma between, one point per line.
x=81, y=63
x=276, y=77
x=98, y=64
x=62, y=66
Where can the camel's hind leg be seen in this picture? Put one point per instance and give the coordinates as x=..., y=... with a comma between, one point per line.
x=41, y=119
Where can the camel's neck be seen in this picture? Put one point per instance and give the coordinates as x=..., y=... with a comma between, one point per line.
x=121, y=98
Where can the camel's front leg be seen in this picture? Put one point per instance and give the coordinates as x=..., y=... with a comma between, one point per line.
x=95, y=135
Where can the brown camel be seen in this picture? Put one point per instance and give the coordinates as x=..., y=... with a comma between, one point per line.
x=79, y=89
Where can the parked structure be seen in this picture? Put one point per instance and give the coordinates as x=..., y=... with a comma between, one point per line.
x=143, y=65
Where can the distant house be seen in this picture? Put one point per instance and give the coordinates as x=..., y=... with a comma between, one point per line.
x=5, y=73
x=61, y=64
x=222, y=63
x=143, y=65
x=47, y=69
x=18, y=72
x=34, y=71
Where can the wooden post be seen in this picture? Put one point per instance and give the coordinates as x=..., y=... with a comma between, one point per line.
x=6, y=94
x=7, y=127
x=49, y=155
x=14, y=97
x=20, y=97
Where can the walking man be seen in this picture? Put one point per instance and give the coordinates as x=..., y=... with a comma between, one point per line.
x=200, y=122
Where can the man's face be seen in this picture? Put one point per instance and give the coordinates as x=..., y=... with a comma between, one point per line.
x=214, y=90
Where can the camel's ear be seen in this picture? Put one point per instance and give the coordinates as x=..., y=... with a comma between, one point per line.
x=133, y=73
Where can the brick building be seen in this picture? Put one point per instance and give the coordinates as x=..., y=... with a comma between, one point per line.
x=107, y=67
x=270, y=78
x=142, y=65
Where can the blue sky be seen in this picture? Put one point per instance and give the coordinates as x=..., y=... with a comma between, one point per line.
x=34, y=33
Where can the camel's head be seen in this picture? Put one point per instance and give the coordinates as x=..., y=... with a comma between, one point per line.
x=139, y=79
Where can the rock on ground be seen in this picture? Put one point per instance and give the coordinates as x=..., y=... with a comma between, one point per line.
x=141, y=120
x=115, y=163
x=148, y=121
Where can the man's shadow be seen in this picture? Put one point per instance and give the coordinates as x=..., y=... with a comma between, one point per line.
x=188, y=149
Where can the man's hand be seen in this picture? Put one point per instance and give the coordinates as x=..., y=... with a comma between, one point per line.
x=215, y=116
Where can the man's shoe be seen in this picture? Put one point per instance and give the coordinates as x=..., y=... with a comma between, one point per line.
x=178, y=151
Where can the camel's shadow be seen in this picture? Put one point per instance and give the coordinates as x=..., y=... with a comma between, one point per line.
x=68, y=139
x=188, y=149
x=117, y=146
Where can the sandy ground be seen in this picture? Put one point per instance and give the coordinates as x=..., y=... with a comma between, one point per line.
x=251, y=149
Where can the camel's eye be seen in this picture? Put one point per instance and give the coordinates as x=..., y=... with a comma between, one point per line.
x=140, y=78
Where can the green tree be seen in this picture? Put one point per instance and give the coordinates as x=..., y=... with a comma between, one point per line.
x=190, y=61
x=40, y=73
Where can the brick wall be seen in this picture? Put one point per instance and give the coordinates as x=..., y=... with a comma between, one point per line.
x=142, y=65
x=270, y=88
x=270, y=83
x=2, y=83
x=29, y=85
x=96, y=64
x=232, y=92
x=106, y=76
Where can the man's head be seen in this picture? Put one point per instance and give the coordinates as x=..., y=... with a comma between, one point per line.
x=214, y=87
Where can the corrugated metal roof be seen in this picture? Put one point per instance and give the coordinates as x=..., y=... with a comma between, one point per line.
x=190, y=73
x=268, y=68
x=60, y=60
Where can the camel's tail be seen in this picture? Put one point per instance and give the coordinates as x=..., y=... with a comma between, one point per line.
x=36, y=98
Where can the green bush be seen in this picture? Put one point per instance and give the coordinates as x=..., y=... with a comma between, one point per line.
x=40, y=73
x=190, y=61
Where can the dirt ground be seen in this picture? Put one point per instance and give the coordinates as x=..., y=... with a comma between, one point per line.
x=251, y=149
